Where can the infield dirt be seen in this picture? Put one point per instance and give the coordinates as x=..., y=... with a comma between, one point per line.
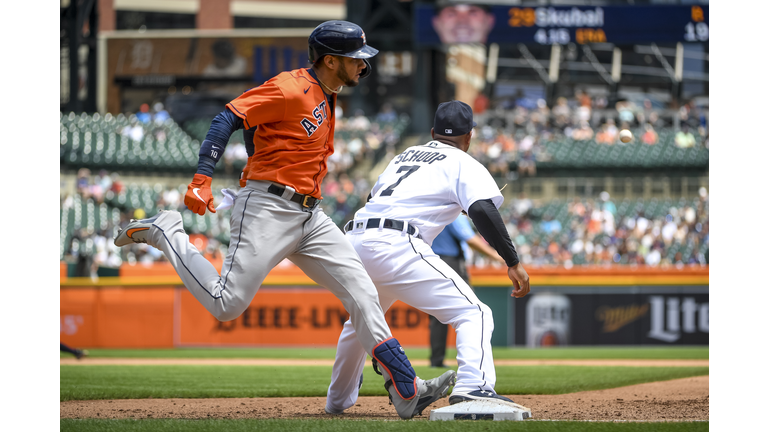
x=684, y=399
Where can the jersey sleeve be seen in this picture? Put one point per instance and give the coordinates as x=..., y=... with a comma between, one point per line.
x=476, y=183
x=260, y=105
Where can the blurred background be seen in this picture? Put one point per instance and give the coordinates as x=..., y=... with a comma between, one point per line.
x=551, y=83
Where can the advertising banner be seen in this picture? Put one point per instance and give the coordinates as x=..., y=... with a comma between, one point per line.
x=558, y=319
x=164, y=317
x=287, y=316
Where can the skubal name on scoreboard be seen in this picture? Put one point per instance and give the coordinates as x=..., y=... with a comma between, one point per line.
x=551, y=17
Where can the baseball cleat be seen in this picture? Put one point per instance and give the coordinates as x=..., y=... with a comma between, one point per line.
x=333, y=412
x=477, y=395
x=136, y=231
x=427, y=392
x=437, y=388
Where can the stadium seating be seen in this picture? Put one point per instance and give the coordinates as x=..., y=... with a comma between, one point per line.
x=105, y=142
x=93, y=141
x=569, y=154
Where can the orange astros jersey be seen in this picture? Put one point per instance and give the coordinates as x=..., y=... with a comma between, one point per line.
x=294, y=136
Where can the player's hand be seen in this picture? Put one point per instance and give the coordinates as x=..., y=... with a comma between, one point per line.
x=199, y=196
x=519, y=278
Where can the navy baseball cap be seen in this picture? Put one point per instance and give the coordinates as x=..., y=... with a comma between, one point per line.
x=453, y=118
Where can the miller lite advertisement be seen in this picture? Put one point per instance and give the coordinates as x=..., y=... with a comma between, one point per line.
x=550, y=319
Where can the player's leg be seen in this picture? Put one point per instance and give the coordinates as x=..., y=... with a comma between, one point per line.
x=261, y=237
x=329, y=259
x=348, y=368
x=427, y=283
x=326, y=256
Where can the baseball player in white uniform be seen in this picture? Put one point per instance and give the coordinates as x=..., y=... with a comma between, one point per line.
x=276, y=215
x=421, y=191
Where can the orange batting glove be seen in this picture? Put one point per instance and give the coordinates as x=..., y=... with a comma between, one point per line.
x=199, y=195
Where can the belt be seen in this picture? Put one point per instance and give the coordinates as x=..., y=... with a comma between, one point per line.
x=305, y=200
x=388, y=223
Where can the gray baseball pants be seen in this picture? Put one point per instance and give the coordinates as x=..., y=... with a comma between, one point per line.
x=265, y=229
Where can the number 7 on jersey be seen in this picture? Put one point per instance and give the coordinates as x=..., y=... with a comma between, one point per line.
x=410, y=169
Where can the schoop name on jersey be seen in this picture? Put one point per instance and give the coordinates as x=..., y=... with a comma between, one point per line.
x=419, y=156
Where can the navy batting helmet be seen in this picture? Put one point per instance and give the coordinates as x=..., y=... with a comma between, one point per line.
x=340, y=38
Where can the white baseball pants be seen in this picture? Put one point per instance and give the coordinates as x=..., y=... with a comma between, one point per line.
x=265, y=229
x=403, y=267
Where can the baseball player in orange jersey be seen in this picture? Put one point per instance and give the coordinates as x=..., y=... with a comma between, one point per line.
x=288, y=124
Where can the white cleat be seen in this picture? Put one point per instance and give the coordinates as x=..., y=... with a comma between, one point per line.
x=136, y=231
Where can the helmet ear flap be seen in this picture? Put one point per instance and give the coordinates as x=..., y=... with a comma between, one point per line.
x=367, y=70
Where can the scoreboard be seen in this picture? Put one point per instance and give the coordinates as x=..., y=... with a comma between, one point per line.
x=548, y=25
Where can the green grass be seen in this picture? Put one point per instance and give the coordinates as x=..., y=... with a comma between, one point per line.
x=186, y=381
x=660, y=353
x=334, y=425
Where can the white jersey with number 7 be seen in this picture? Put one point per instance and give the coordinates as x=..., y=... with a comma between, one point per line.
x=428, y=186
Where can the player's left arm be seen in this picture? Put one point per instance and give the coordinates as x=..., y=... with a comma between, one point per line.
x=488, y=221
x=461, y=229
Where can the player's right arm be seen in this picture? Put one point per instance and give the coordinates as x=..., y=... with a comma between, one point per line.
x=199, y=196
x=259, y=105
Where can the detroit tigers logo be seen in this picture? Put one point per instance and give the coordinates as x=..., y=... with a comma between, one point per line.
x=319, y=114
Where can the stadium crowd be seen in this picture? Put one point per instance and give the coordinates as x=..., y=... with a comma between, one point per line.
x=512, y=134
x=592, y=233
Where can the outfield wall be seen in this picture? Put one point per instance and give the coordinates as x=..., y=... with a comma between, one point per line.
x=623, y=307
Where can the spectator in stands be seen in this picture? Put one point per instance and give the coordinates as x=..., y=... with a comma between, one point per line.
x=387, y=114
x=583, y=132
x=607, y=204
x=117, y=184
x=625, y=110
x=608, y=133
x=522, y=205
x=526, y=164
x=584, y=110
x=359, y=121
x=551, y=225
x=160, y=114
x=684, y=138
x=144, y=115
x=576, y=208
x=561, y=113
x=104, y=180
x=648, y=114
x=650, y=136
x=83, y=182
